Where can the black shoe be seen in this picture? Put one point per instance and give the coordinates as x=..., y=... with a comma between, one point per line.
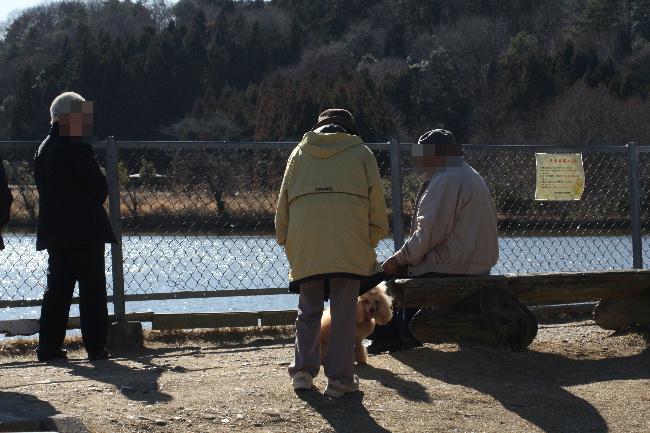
x=379, y=347
x=411, y=345
x=96, y=356
x=45, y=355
x=410, y=342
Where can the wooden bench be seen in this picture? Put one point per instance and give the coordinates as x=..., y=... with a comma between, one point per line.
x=489, y=308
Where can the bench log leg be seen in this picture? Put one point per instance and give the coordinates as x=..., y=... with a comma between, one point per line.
x=490, y=316
x=620, y=313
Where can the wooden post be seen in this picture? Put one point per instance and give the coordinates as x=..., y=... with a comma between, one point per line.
x=396, y=192
x=113, y=178
x=635, y=206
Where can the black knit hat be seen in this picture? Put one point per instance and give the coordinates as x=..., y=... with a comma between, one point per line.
x=338, y=116
x=437, y=136
x=443, y=141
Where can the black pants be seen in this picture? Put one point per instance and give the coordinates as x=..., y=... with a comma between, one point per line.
x=66, y=266
x=396, y=332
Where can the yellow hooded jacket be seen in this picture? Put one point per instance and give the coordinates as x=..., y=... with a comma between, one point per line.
x=331, y=212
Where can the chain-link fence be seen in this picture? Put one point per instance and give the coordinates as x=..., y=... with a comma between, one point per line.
x=22, y=268
x=197, y=218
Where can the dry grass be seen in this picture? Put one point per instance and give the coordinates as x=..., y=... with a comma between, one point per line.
x=221, y=336
x=18, y=347
x=244, y=204
x=240, y=204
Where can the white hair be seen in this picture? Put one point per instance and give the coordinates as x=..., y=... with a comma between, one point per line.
x=61, y=104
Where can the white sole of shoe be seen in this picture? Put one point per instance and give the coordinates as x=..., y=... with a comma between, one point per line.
x=334, y=393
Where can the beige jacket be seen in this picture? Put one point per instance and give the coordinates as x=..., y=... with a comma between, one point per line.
x=331, y=212
x=455, y=226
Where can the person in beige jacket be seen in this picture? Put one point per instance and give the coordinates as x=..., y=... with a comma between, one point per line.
x=453, y=232
x=330, y=216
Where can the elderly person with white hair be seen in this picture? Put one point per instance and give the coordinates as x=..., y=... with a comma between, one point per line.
x=73, y=227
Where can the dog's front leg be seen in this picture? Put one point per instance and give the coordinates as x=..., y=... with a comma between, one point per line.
x=360, y=354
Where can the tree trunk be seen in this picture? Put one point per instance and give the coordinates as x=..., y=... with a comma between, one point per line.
x=490, y=316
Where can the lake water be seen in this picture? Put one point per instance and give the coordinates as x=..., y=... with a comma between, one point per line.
x=154, y=264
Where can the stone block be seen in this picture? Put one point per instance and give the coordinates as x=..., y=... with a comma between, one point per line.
x=125, y=335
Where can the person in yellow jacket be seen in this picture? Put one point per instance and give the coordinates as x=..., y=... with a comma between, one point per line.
x=330, y=216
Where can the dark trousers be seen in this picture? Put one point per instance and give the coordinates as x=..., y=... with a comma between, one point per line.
x=396, y=332
x=66, y=266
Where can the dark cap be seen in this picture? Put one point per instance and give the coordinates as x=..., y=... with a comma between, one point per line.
x=437, y=136
x=338, y=116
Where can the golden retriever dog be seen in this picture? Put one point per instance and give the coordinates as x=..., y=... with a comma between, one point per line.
x=373, y=307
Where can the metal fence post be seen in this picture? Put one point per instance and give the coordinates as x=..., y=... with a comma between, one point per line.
x=635, y=218
x=113, y=177
x=396, y=193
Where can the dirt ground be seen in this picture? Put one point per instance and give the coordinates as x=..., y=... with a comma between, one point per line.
x=575, y=377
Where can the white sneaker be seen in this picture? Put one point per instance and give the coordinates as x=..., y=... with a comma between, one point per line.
x=302, y=380
x=337, y=389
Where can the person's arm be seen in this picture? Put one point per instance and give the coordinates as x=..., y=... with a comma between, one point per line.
x=436, y=218
x=38, y=165
x=391, y=265
x=5, y=196
x=84, y=164
x=377, y=214
x=282, y=209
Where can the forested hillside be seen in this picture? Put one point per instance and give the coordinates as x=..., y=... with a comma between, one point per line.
x=567, y=72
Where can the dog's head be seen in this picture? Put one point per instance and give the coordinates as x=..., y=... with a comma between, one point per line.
x=375, y=304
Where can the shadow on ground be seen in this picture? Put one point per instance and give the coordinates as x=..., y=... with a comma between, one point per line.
x=531, y=384
x=338, y=412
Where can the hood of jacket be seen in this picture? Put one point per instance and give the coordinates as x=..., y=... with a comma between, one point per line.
x=324, y=145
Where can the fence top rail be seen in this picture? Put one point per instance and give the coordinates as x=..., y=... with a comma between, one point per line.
x=549, y=149
x=13, y=145
x=225, y=145
x=289, y=145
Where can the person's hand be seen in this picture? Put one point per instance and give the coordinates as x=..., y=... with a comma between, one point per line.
x=391, y=265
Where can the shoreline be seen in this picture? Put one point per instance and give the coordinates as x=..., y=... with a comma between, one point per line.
x=239, y=227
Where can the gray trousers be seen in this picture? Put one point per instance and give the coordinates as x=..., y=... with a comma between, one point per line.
x=338, y=363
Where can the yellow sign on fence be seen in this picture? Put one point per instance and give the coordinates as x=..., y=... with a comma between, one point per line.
x=560, y=176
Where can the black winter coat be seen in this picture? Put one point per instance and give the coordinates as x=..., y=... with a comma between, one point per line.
x=72, y=190
x=5, y=200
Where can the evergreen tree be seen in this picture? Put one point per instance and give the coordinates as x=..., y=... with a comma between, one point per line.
x=622, y=22
x=21, y=113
